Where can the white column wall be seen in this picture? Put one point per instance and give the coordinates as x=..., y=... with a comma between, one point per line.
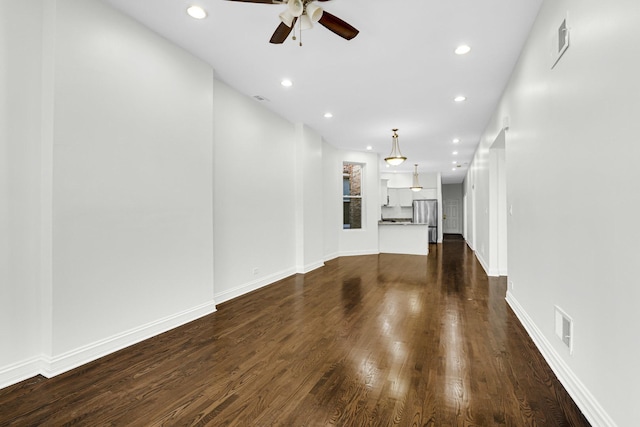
x=309, y=200
x=21, y=37
x=572, y=239
x=332, y=196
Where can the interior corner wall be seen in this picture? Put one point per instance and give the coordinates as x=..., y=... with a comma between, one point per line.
x=572, y=242
x=332, y=200
x=365, y=240
x=21, y=37
x=309, y=199
x=254, y=194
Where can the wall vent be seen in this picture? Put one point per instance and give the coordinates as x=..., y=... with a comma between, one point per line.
x=564, y=328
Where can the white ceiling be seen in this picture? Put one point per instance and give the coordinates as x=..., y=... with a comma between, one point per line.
x=400, y=71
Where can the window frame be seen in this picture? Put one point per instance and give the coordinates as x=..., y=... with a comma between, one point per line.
x=348, y=197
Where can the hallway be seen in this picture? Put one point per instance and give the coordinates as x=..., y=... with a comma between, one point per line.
x=374, y=340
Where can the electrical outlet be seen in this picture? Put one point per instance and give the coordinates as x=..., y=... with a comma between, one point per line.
x=510, y=283
x=564, y=328
x=256, y=271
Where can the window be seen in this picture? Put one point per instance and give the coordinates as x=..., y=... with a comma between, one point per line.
x=351, y=196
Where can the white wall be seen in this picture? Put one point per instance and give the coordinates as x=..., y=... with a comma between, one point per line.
x=572, y=240
x=21, y=38
x=112, y=127
x=132, y=182
x=309, y=200
x=480, y=185
x=255, y=189
x=332, y=200
x=498, y=207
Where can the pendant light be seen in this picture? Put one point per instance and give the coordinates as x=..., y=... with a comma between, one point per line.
x=416, y=184
x=396, y=157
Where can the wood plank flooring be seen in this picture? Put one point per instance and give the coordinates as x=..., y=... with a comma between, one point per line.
x=381, y=340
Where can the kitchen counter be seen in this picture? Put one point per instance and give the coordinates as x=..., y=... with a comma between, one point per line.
x=412, y=240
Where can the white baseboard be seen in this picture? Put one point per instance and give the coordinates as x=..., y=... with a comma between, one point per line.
x=13, y=374
x=52, y=366
x=330, y=257
x=309, y=267
x=587, y=403
x=490, y=272
x=49, y=366
x=359, y=253
x=252, y=286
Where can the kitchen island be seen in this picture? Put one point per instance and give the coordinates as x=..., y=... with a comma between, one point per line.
x=403, y=238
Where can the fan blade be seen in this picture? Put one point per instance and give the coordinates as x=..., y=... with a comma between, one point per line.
x=338, y=26
x=282, y=32
x=260, y=1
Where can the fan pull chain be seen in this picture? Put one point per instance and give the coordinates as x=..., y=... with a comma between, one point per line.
x=300, y=33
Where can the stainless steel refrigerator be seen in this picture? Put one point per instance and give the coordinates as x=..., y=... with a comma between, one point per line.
x=426, y=212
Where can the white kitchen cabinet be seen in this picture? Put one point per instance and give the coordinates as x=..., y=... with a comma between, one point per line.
x=393, y=196
x=405, y=197
x=384, y=192
x=425, y=193
x=400, y=197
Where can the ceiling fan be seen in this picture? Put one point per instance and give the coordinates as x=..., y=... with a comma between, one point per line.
x=307, y=13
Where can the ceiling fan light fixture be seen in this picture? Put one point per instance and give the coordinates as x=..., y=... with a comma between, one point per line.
x=314, y=12
x=416, y=183
x=295, y=7
x=287, y=18
x=305, y=22
x=396, y=157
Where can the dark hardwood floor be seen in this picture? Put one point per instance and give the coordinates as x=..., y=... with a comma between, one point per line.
x=379, y=340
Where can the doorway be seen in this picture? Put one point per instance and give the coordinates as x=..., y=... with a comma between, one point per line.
x=452, y=209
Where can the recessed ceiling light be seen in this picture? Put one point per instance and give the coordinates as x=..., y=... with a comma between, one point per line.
x=456, y=140
x=196, y=12
x=455, y=153
x=369, y=148
x=286, y=83
x=453, y=169
x=328, y=115
x=460, y=98
x=463, y=49
x=455, y=162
